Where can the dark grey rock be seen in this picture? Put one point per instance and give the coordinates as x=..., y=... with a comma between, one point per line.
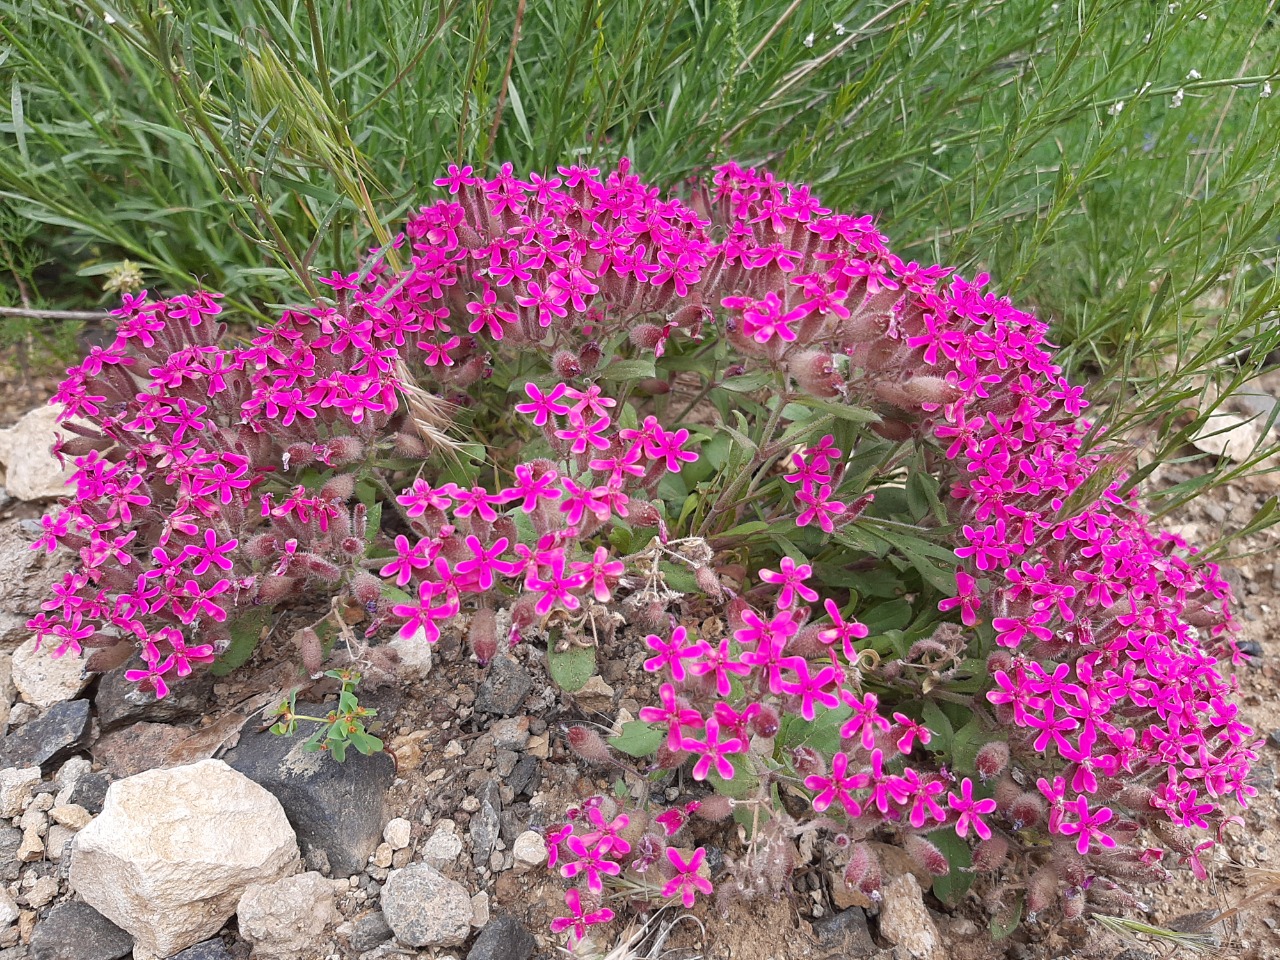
x=338, y=808
x=75, y=931
x=49, y=739
x=503, y=938
x=1254, y=650
x=90, y=791
x=10, y=840
x=1133, y=953
x=369, y=931
x=525, y=777
x=120, y=702
x=486, y=823
x=515, y=821
x=213, y=949
x=504, y=689
x=1273, y=738
x=845, y=934
x=19, y=952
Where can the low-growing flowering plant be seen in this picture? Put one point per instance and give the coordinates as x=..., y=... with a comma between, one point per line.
x=842, y=507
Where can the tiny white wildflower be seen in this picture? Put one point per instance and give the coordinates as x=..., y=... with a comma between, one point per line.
x=1193, y=75
x=1146, y=38
x=108, y=19
x=838, y=28
x=808, y=41
x=1266, y=90
x=1145, y=87
x=1202, y=16
x=1115, y=108
x=1176, y=100
x=1173, y=7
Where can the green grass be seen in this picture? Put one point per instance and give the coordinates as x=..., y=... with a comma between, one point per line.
x=247, y=144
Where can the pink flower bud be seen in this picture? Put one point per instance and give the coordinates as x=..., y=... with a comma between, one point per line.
x=708, y=582
x=298, y=455
x=1040, y=891
x=1027, y=810
x=646, y=336
x=482, y=636
x=262, y=547
x=587, y=744
x=816, y=374
x=926, y=854
x=366, y=588
x=340, y=487
x=990, y=854
x=319, y=567
x=342, y=450
x=1072, y=903
x=766, y=722
x=928, y=389
x=863, y=872
x=715, y=808
x=808, y=762
x=991, y=759
x=310, y=649
x=566, y=365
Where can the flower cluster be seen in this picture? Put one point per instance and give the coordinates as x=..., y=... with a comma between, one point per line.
x=214, y=483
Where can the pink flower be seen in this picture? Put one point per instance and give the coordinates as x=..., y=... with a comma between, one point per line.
x=971, y=811
x=686, y=882
x=578, y=920
x=791, y=577
x=672, y=653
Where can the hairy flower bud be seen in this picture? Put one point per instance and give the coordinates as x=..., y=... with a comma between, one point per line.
x=319, y=567
x=410, y=445
x=366, y=588
x=587, y=744
x=816, y=374
x=863, y=871
x=262, y=547
x=343, y=450
x=646, y=336
x=273, y=589
x=926, y=854
x=766, y=723
x=566, y=365
x=1027, y=810
x=991, y=759
x=339, y=487
x=990, y=854
x=482, y=636
x=1040, y=891
x=1072, y=903
x=928, y=389
x=715, y=808
x=808, y=762
x=708, y=582
x=298, y=455
x=644, y=514
x=524, y=613
x=311, y=650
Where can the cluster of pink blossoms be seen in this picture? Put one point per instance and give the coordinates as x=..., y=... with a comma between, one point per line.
x=213, y=482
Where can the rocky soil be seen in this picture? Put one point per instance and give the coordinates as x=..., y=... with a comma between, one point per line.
x=182, y=828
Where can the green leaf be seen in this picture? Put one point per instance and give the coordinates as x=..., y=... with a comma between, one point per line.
x=572, y=668
x=628, y=370
x=638, y=739
x=966, y=743
x=748, y=382
x=679, y=577
x=246, y=632
x=822, y=732
x=1006, y=921
x=842, y=410
x=954, y=885
x=939, y=726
